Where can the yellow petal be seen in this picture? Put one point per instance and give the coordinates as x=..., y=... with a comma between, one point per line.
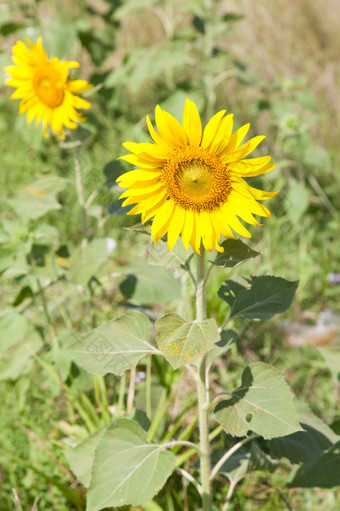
x=211, y=129
x=204, y=229
x=192, y=123
x=162, y=220
x=242, y=151
x=187, y=228
x=175, y=226
x=237, y=137
x=169, y=128
x=223, y=134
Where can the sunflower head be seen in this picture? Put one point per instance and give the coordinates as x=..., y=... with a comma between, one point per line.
x=43, y=85
x=191, y=181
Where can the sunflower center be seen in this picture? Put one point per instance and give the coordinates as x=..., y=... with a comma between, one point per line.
x=196, y=180
x=49, y=86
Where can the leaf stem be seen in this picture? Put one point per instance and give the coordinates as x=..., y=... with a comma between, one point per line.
x=229, y=453
x=148, y=377
x=185, y=443
x=203, y=389
x=191, y=479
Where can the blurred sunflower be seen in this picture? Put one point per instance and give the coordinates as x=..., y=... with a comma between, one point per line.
x=44, y=88
x=192, y=180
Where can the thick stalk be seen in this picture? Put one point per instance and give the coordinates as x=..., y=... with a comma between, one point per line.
x=203, y=390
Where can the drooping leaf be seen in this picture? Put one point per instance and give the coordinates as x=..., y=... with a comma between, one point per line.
x=182, y=341
x=81, y=457
x=304, y=445
x=322, y=472
x=265, y=297
x=127, y=469
x=114, y=347
x=235, y=252
x=263, y=404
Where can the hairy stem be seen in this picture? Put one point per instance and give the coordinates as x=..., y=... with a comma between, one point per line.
x=203, y=390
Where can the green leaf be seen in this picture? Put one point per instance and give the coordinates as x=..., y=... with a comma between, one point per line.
x=114, y=347
x=87, y=260
x=235, y=252
x=259, y=460
x=263, y=404
x=322, y=472
x=38, y=198
x=304, y=445
x=265, y=297
x=181, y=341
x=152, y=284
x=18, y=342
x=127, y=470
x=81, y=457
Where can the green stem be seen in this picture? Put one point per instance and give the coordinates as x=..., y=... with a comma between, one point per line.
x=148, y=377
x=51, y=328
x=79, y=183
x=203, y=390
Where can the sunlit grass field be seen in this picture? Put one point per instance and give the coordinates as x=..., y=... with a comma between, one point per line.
x=275, y=65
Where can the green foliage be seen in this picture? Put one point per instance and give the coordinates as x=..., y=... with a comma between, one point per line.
x=182, y=342
x=114, y=347
x=262, y=404
x=235, y=252
x=18, y=342
x=60, y=278
x=265, y=297
x=322, y=472
x=137, y=469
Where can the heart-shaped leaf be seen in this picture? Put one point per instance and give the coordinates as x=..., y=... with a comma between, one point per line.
x=183, y=342
x=263, y=404
x=127, y=470
x=265, y=297
x=116, y=346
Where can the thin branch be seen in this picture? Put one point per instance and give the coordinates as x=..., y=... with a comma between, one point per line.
x=185, y=443
x=229, y=495
x=229, y=453
x=224, y=325
x=191, y=479
x=222, y=393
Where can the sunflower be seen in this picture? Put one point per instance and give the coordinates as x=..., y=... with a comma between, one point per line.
x=191, y=181
x=44, y=88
